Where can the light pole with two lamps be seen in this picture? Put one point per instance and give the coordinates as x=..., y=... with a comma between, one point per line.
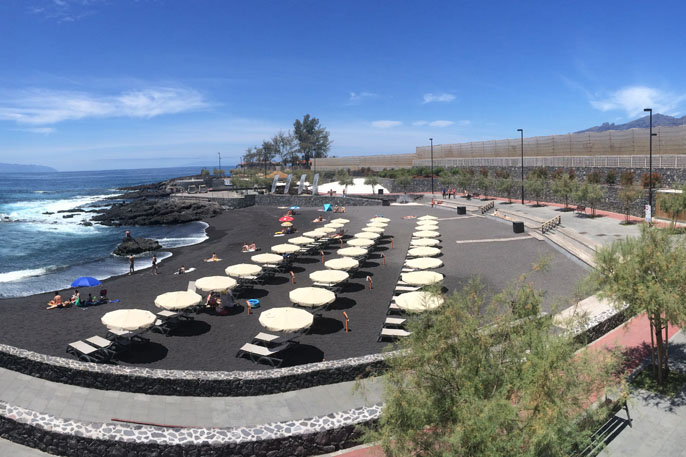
x=432, y=166
x=650, y=164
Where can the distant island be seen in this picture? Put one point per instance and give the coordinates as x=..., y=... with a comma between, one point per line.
x=659, y=120
x=17, y=168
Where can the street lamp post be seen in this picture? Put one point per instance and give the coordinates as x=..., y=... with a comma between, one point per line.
x=432, y=166
x=219, y=154
x=521, y=131
x=650, y=163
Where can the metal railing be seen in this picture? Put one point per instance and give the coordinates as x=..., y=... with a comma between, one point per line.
x=626, y=161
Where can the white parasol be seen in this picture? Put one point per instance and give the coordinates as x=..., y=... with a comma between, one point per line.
x=285, y=248
x=426, y=218
x=360, y=242
x=367, y=235
x=427, y=222
x=334, y=226
x=128, y=320
x=426, y=234
x=373, y=229
x=423, y=251
x=215, y=283
x=427, y=227
x=379, y=219
x=342, y=263
x=378, y=224
x=267, y=258
x=424, y=242
x=417, y=302
x=286, y=319
x=352, y=252
x=424, y=263
x=243, y=270
x=314, y=234
x=301, y=240
x=325, y=230
x=329, y=277
x=421, y=278
x=311, y=297
x=180, y=299
x=340, y=220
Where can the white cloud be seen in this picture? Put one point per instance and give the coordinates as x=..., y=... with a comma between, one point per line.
x=42, y=106
x=440, y=123
x=633, y=99
x=359, y=97
x=65, y=10
x=386, y=124
x=420, y=123
x=443, y=97
x=40, y=130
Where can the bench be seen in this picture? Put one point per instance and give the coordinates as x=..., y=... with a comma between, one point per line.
x=580, y=209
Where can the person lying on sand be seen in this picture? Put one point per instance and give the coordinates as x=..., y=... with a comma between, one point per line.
x=183, y=270
x=318, y=219
x=56, y=302
x=214, y=258
x=246, y=247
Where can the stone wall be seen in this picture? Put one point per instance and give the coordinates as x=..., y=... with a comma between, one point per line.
x=188, y=383
x=314, y=436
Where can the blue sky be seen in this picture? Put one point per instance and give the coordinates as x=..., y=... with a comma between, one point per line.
x=98, y=84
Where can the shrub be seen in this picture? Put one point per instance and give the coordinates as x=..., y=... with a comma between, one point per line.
x=539, y=173
x=572, y=173
x=557, y=173
x=594, y=177
x=626, y=178
x=611, y=178
x=484, y=172
x=502, y=173
x=645, y=180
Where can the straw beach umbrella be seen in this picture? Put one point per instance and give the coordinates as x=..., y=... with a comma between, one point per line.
x=180, y=299
x=342, y=263
x=367, y=235
x=417, y=302
x=215, y=283
x=329, y=277
x=352, y=252
x=421, y=278
x=128, y=320
x=285, y=248
x=424, y=263
x=360, y=242
x=266, y=259
x=286, y=320
x=424, y=242
x=301, y=240
x=426, y=234
x=243, y=270
x=311, y=297
x=423, y=251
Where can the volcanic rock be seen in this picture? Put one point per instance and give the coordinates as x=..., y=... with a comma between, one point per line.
x=133, y=246
x=157, y=212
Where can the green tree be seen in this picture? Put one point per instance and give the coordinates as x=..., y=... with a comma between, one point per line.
x=628, y=195
x=204, y=172
x=465, y=180
x=218, y=172
x=535, y=186
x=589, y=194
x=484, y=183
x=506, y=187
x=647, y=274
x=404, y=181
x=312, y=139
x=371, y=180
x=564, y=187
x=512, y=388
x=285, y=148
x=673, y=203
x=344, y=179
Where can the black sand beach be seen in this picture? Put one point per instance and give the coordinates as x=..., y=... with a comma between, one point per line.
x=210, y=342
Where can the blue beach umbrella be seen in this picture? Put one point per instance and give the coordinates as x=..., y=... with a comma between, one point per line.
x=85, y=281
x=294, y=207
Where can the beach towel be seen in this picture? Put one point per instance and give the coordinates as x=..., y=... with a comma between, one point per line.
x=209, y=260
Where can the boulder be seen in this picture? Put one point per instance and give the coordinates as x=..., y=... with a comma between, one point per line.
x=133, y=246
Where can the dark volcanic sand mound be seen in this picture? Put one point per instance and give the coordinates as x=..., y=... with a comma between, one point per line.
x=212, y=341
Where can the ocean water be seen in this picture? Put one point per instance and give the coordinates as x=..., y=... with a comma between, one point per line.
x=42, y=252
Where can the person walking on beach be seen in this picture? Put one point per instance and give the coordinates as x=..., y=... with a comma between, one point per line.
x=154, y=264
x=131, y=269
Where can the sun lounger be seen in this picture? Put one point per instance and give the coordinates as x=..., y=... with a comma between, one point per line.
x=87, y=353
x=392, y=333
x=394, y=309
x=191, y=286
x=125, y=338
x=102, y=343
x=267, y=339
x=263, y=354
x=403, y=289
x=394, y=321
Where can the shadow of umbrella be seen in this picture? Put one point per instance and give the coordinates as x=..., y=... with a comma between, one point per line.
x=300, y=354
x=351, y=287
x=144, y=353
x=191, y=328
x=342, y=303
x=325, y=326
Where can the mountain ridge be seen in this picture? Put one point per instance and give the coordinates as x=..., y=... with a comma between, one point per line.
x=659, y=120
x=19, y=168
